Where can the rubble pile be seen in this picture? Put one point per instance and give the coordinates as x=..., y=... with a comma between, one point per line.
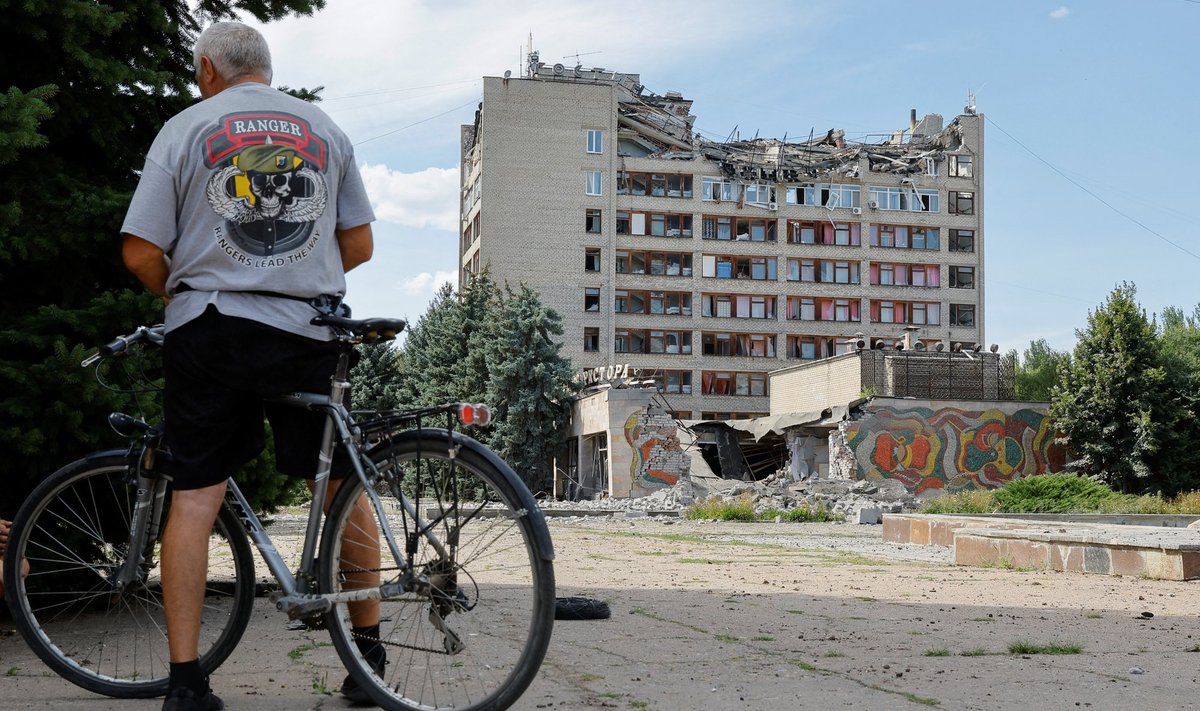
x=840, y=497
x=864, y=501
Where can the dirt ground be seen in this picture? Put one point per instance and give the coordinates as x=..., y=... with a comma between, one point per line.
x=774, y=616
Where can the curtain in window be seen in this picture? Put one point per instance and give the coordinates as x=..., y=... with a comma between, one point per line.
x=874, y=310
x=743, y=307
x=826, y=310
x=902, y=274
x=874, y=273
x=933, y=275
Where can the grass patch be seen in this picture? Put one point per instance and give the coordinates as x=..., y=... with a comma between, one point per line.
x=611, y=695
x=976, y=652
x=12, y=671
x=1052, y=648
x=639, y=704
x=833, y=655
x=1195, y=649
x=585, y=678
x=939, y=652
x=762, y=638
x=1094, y=616
x=298, y=652
x=742, y=509
x=1059, y=493
x=804, y=665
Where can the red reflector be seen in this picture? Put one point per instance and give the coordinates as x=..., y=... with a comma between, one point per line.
x=474, y=414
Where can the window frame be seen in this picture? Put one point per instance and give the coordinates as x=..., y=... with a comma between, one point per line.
x=595, y=141
x=594, y=181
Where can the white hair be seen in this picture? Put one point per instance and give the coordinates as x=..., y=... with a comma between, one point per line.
x=236, y=51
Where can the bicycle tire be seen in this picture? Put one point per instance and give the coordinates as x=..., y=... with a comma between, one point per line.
x=74, y=530
x=498, y=593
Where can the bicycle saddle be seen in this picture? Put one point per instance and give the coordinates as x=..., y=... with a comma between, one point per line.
x=370, y=330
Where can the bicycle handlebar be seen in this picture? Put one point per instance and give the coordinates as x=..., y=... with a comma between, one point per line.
x=116, y=347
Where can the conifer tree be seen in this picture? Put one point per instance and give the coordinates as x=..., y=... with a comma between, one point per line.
x=1179, y=459
x=375, y=379
x=1111, y=401
x=84, y=88
x=531, y=389
x=433, y=353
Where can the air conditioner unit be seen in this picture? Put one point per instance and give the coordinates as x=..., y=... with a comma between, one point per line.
x=772, y=206
x=873, y=205
x=856, y=210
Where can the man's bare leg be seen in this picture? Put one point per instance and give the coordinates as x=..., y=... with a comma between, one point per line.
x=360, y=550
x=185, y=566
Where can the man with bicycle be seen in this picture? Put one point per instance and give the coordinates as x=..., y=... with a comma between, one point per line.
x=250, y=205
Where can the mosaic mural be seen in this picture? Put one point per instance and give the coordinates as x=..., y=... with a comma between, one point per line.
x=658, y=459
x=954, y=449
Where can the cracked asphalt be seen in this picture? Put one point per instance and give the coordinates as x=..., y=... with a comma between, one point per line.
x=772, y=616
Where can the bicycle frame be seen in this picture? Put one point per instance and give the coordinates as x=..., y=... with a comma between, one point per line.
x=297, y=594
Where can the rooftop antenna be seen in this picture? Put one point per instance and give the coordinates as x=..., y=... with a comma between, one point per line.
x=579, y=54
x=969, y=109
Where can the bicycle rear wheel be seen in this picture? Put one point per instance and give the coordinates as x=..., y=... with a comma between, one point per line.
x=74, y=532
x=476, y=635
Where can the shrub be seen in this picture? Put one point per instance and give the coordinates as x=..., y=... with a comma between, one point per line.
x=714, y=507
x=975, y=501
x=1055, y=493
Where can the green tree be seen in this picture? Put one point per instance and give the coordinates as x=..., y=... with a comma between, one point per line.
x=1179, y=459
x=375, y=379
x=531, y=389
x=1112, y=402
x=433, y=353
x=1037, y=370
x=84, y=88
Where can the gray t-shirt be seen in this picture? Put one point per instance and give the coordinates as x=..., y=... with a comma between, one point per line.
x=243, y=192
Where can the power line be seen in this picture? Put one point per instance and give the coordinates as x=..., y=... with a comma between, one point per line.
x=395, y=91
x=415, y=123
x=1101, y=200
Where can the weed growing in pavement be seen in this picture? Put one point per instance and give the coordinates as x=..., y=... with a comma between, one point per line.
x=1095, y=616
x=585, y=678
x=1052, y=648
x=298, y=652
x=833, y=655
x=320, y=686
x=12, y=671
x=728, y=638
x=762, y=638
x=939, y=652
x=1195, y=649
x=804, y=665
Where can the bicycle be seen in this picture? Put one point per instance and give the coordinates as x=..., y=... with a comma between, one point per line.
x=466, y=584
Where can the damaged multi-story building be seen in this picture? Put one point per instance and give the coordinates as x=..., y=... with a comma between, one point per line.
x=703, y=265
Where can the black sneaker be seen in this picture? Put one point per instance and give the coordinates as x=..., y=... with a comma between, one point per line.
x=184, y=699
x=355, y=693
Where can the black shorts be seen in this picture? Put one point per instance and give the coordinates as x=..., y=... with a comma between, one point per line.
x=218, y=371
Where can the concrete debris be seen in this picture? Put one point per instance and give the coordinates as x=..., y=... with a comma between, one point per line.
x=856, y=501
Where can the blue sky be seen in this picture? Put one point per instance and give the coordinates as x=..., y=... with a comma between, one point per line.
x=1101, y=94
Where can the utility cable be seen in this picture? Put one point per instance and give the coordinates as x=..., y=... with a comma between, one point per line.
x=1101, y=200
x=417, y=123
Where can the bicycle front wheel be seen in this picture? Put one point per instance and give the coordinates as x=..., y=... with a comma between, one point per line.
x=473, y=628
x=74, y=532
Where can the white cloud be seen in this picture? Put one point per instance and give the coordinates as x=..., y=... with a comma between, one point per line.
x=426, y=198
x=427, y=284
x=1060, y=13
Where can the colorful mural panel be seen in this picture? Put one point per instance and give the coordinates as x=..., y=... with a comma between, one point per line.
x=954, y=449
x=658, y=459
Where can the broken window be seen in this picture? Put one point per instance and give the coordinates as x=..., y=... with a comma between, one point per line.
x=738, y=306
x=905, y=237
x=808, y=308
x=656, y=263
x=962, y=314
x=833, y=195
x=717, y=228
x=595, y=140
x=591, y=299
x=724, y=266
x=591, y=221
x=591, y=339
x=915, y=312
x=962, y=277
x=961, y=203
x=591, y=259
x=962, y=240
x=818, y=270
x=754, y=229
x=717, y=382
x=655, y=184
x=717, y=189
x=961, y=166
x=622, y=223
x=904, y=274
x=904, y=198
x=595, y=183
x=759, y=194
x=674, y=382
x=670, y=303
x=802, y=232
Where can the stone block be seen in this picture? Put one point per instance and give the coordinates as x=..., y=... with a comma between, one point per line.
x=868, y=515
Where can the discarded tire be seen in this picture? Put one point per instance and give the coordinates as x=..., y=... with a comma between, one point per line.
x=581, y=608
